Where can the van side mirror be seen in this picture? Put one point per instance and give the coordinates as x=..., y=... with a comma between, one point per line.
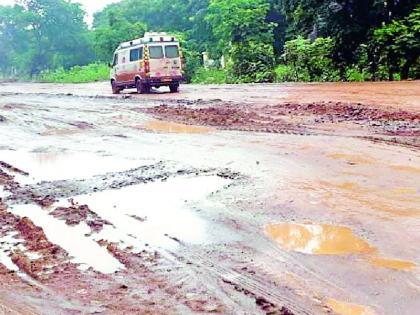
x=110, y=65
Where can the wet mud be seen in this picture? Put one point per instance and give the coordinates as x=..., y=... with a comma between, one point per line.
x=303, y=119
x=268, y=199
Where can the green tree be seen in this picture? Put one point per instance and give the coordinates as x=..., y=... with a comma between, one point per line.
x=245, y=37
x=44, y=34
x=399, y=44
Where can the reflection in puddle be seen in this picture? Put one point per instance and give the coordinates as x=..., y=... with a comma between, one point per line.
x=59, y=166
x=170, y=127
x=317, y=239
x=343, y=308
x=162, y=207
x=392, y=263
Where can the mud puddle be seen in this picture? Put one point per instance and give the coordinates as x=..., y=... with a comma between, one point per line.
x=72, y=239
x=62, y=166
x=171, y=127
x=159, y=214
x=392, y=263
x=316, y=239
x=344, y=308
x=325, y=239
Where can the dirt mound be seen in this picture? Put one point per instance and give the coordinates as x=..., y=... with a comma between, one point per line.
x=229, y=117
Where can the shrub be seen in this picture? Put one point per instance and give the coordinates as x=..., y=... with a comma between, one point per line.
x=283, y=73
x=354, y=75
x=311, y=61
x=209, y=76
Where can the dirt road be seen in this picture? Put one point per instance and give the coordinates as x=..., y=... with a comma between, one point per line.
x=250, y=199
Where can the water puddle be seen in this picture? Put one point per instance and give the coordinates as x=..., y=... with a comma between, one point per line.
x=60, y=166
x=350, y=158
x=7, y=261
x=343, y=308
x=170, y=127
x=392, y=263
x=71, y=238
x=407, y=169
x=158, y=213
x=318, y=239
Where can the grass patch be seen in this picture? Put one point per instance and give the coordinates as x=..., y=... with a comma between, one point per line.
x=209, y=76
x=79, y=74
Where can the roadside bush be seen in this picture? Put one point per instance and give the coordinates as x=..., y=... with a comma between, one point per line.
x=209, y=76
x=283, y=73
x=311, y=61
x=250, y=62
x=354, y=75
x=78, y=74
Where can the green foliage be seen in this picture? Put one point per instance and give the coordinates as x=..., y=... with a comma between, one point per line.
x=399, y=44
x=114, y=30
x=209, y=76
x=244, y=37
x=354, y=75
x=283, y=73
x=310, y=61
x=43, y=34
x=89, y=73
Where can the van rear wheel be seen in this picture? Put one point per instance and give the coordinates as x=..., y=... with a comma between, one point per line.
x=174, y=88
x=142, y=88
x=115, y=88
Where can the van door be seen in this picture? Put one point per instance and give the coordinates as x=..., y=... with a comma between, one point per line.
x=173, y=60
x=157, y=62
x=134, y=66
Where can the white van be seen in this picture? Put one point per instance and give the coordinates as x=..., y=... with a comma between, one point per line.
x=152, y=61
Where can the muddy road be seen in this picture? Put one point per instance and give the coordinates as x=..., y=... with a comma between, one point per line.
x=249, y=199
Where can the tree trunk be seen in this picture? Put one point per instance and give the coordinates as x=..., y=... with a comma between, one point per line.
x=405, y=70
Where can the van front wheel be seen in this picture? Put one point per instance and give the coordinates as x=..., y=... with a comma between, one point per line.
x=174, y=88
x=142, y=88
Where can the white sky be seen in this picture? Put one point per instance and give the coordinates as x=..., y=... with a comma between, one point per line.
x=90, y=6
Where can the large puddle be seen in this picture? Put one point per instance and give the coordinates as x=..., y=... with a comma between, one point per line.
x=84, y=251
x=170, y=127
x=325, y=239
x=160, y=214
x=343, y=308
x=319, y=239
x=60, y=166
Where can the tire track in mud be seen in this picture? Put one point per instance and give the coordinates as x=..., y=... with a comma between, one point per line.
x=269, y=298
x=252, y=281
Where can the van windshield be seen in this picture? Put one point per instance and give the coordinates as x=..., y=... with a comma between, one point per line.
x=171, y=51
x=156, y=52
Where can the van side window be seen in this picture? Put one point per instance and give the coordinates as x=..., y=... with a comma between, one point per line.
x=136, y=54
x=115, y=60
x=171, y=51
x=156, y=52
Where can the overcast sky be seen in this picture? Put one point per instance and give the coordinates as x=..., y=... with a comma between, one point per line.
x=91, y=6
